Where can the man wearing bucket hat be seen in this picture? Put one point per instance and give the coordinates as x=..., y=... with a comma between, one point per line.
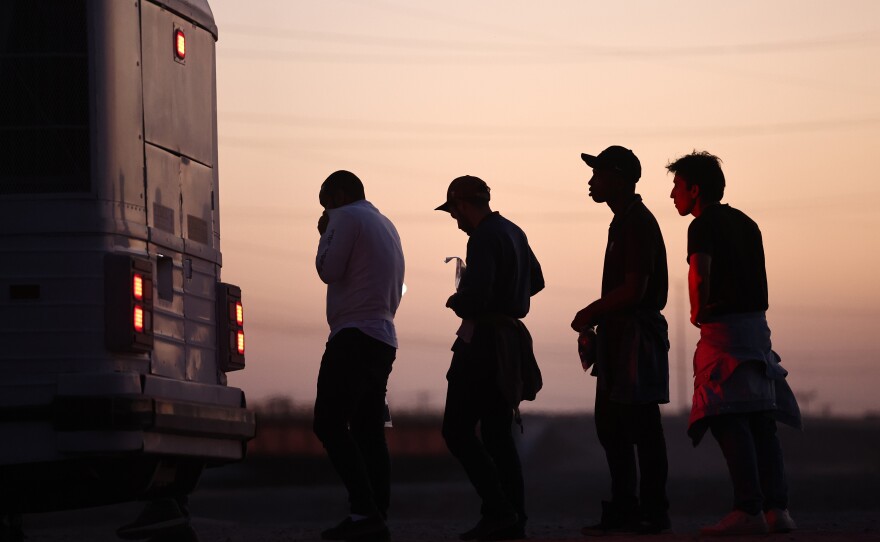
x=493, y=365
x=632, y=346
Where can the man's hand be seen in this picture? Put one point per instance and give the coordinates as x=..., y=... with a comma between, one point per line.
x=323, y=222
x=583, y=319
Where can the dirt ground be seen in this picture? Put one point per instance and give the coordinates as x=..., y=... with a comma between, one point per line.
x=833, y=467
x=425, y=512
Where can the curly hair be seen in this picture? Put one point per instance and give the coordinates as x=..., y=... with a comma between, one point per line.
x=702, y=169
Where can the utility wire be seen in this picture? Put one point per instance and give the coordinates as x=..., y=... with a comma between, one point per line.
x=458, y=129
x=432, y=17
x=408, y=43
x=451, y=137
x=414, y=47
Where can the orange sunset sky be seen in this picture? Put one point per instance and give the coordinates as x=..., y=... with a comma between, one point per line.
x=410, y=94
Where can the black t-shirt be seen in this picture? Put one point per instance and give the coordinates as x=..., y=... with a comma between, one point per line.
x=635, y=245
x=737, y=275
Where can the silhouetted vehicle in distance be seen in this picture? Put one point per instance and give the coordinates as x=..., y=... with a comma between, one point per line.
x=116, y=332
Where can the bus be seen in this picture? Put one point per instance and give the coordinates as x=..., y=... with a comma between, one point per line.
x=116, y=332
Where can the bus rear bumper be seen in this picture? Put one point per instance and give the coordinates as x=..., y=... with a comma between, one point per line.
x=107, y=413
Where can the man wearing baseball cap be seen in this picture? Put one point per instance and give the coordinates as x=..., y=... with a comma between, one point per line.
x=493, y=365
x=632, y=347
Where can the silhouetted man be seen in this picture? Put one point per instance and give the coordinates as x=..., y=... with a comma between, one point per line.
x=493, y=366
x=632, y=346
x=361, y=261
x=739, y=386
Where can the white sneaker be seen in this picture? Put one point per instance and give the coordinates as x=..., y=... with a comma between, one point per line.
x=737, y=523
x=779, y=521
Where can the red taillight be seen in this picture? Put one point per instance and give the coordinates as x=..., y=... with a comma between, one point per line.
x=239, y=313
x=128, y=303
x=239, y=342
x=137, y=286
x=230, y=327
x=138, y=320
x=180, y=44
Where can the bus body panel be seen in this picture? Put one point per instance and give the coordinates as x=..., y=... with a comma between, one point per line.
x=117, y=114
x=179, y=103
x=94, y=424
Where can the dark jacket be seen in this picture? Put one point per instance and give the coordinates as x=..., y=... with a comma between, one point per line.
x=502, y=274
x=501, y=352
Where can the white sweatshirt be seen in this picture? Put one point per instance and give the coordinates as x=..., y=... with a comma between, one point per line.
x=361, y=260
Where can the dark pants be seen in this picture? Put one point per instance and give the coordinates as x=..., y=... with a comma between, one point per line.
x=754, y=460
x=627, y=432
x=491, y=461
x=350, y=417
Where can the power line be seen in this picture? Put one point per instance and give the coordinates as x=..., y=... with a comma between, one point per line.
x=433, y=17
x=378, y=125
x=452, y=136
x=555, y=46
x=414, y=49
x=409, y=43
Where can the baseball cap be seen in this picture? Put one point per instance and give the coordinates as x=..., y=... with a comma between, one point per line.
x=465, y=187
x=617, y=158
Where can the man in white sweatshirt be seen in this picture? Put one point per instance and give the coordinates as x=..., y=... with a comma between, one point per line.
x=361, y=261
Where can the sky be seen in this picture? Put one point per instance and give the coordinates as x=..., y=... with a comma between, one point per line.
x=410, y=94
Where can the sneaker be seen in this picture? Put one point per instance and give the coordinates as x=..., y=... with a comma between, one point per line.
x=157, y=516
x=779, y=521
x=371, y=529
x=502, y=527
x=655, y=525
x=737, y=523
x=615, y=520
